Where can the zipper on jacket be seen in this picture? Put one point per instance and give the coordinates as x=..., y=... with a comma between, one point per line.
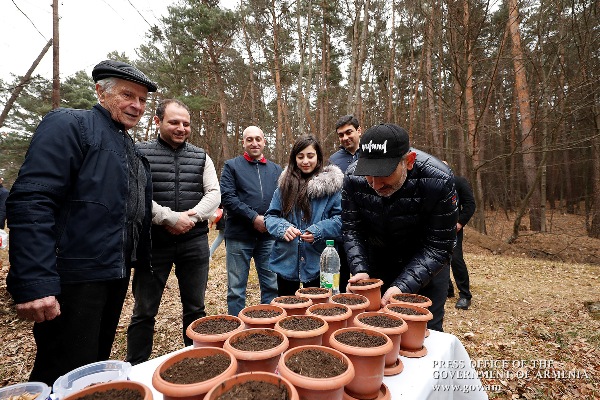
x=262, y=195
x=124, y=234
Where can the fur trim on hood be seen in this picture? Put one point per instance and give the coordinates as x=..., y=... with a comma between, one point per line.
x=327, y=182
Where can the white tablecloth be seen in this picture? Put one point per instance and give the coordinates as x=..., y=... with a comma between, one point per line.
x=445, y=373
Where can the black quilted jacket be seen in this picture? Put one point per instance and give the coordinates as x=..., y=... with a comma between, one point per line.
x=177, y=182
x=407, y=238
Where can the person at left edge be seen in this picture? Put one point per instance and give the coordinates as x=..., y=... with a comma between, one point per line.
x=185, y=195
x=79, y=215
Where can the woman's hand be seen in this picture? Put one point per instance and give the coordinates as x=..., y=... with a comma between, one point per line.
x=291, y=233
x=308, y=237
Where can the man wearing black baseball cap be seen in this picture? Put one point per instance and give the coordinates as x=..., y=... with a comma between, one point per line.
x=79, y=217
x=399, y=216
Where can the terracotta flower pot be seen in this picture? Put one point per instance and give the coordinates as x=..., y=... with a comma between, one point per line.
x=371, y=291
x=393, y=364
x=411, y=344
x=262, y=322
x=256, y=360
x=293, y=305
x=298, y=337
x=317, y=295
x=412, y=299
x=368, y=362
x=355, y=302
x=212, y=339
x=239, y=379
x=335, y=322
x=192, y=391
x=309, y=388
x=114, y=385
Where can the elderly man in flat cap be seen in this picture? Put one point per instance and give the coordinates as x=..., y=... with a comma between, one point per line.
x=79, y=216
x=399, y=214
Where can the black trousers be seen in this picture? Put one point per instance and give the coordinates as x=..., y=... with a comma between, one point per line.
x=84, y=331
x=459, y=270
x=191, y=269
x=288, y=288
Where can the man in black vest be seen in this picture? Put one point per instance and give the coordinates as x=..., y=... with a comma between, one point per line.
x=186, y=194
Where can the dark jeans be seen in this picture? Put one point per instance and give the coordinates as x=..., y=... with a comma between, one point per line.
x=288, y=288
x=459, y=270
x=84, y=331
x=191, y=269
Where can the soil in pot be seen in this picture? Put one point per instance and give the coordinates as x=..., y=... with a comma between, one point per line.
x=257, y=349
x=317, y=295
x=262, y=315
x=293, y=305
x=366, y=348
x=336, y=316
x=416, y=319
x=126, y=390
x=302, y=329
x=415, y=299
x=371, y=289
x=256, y=342
x=393, y=326
x=317, y=372
x=355, y=302
x=360, y=339
x=301, y=323
x=212, y=331
x=216, y=326
x=196, y=369
x=254, y=386
x=331, y=311
x=255, y=390
x=316, y=364
x=111, y=394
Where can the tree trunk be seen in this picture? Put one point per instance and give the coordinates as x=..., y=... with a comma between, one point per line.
x=55, y=57
x=435, y=134
x=22, y=82
x=528, y=145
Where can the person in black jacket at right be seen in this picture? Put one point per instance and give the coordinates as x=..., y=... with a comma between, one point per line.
x=399, y=213
x=466, y=209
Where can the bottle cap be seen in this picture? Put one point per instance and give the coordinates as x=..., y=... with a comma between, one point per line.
x=329, y=242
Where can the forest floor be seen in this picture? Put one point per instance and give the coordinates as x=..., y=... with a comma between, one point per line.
x=529, y=331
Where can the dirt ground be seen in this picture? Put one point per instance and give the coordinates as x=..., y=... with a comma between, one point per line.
x=528, y=331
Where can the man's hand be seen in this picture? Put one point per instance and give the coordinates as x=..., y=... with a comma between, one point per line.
x=385, y=299
x=39, y=310
x=291, y=233
x=458, y=226
x=259, y=223
x=183, y=224
x=356, y=278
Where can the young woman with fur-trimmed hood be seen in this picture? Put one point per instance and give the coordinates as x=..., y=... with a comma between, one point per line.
x=305, y=211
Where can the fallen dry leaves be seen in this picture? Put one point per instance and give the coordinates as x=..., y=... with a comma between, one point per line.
x=527, y=330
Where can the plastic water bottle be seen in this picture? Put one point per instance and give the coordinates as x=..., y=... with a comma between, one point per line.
x=330, y=268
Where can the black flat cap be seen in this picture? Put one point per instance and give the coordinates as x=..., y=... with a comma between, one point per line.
x=118, y=69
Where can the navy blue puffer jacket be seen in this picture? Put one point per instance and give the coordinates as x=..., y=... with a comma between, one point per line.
x=407, y=238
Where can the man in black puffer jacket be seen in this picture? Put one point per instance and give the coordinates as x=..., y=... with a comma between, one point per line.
x=185, y=195
x=399, y=214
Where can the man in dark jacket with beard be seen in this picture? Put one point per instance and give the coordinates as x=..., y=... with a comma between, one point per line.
x=186, y=194
x=399, y=214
